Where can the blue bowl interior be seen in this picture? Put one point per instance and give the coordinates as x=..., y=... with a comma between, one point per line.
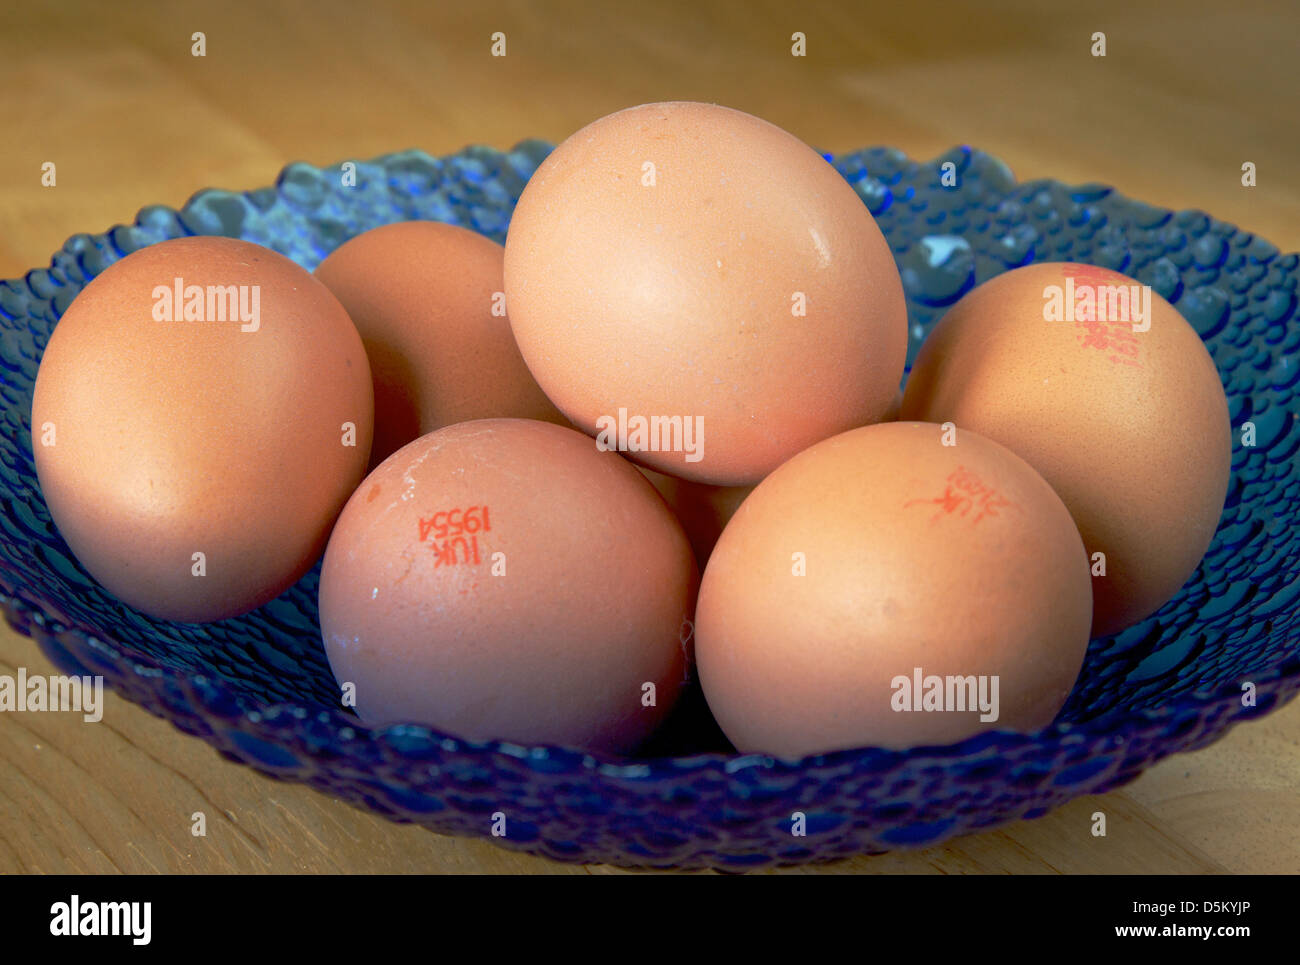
x=259, y=688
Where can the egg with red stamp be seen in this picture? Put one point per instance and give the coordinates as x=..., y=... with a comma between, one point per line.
x=1103, y=387
x=898, y=585
x=506, y=579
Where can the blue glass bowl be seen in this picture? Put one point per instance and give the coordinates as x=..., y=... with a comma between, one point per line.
x=259, y=689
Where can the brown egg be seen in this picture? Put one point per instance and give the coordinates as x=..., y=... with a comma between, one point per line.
x=506, y=579
x=895, y=407
x=201, y=414
x=690, y=261
x=703, y=510
x=428, y=299
x=1130, y=426
x=876, y=563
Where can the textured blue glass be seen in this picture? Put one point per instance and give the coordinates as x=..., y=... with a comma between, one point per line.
x=259, y=689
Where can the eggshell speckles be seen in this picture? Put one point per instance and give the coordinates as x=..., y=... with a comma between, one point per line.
x=690, y=260
x=429, y=302
x=1130, y=427
x=506, y=579
x=872, y=554
x=199, y=457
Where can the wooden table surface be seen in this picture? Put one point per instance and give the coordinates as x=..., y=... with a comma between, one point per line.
x=110, y=93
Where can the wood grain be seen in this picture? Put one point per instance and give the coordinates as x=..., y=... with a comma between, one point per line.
x=1187, y=93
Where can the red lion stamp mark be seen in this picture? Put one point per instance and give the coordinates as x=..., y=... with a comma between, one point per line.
x=965, y=493
x=453, y=534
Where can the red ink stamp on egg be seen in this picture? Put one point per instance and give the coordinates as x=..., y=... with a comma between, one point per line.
x=1093, y=275
x=1116, y=338
x=453, y=535
x=964, y=493
x=1108, y=313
